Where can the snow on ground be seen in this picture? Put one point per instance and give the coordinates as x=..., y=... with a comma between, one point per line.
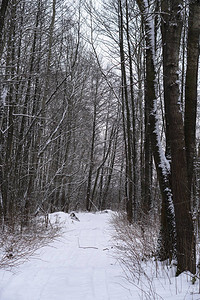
x=80, y=265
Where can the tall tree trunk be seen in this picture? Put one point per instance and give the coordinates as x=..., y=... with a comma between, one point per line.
x=191, y=86
x=134, y=152
x=167, y=232
x=110, y=170
x=7, y=196
x=125, y=99
x=3, y=9
x=91, y=162
x=146, y=200
x=171, y=35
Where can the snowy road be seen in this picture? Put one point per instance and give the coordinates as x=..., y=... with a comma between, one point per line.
x=77, y=266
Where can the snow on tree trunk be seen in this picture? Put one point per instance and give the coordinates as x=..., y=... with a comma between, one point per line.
x=171, y=36
x=166, y=247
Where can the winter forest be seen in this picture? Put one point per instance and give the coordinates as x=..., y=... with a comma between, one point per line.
x=100, y=109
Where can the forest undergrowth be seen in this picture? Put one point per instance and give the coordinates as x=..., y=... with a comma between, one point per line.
x=18, y=243
x=133, y=246
x=136, y=251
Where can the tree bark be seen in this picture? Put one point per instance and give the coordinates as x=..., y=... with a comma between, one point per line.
x=133, y=118
x=91, y=162
x=191, y=87
x=171, y=35
x=166, y=243
x=126, y=112
x=3, y=9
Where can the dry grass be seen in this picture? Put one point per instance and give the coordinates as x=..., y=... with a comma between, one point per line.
x=18, y=244
x=136, y=247
x=139, y=239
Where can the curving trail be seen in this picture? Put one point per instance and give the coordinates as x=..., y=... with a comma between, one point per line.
x=77, y=266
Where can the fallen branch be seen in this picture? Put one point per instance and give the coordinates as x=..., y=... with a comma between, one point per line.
x=87, y=247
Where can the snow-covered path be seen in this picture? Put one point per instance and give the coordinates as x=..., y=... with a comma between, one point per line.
x=77, y=266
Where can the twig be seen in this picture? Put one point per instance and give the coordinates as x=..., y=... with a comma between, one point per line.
x=88, y=247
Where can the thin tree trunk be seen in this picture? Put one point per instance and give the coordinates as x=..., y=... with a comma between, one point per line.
x=146, y=201
x=3, y=9
x=129, y=172
x=7, y=164
x=110, y=171
x=134, y=152
x=91, y=162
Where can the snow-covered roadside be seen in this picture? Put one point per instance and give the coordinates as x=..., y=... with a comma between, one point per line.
x=76, y=266
x=81, y=265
